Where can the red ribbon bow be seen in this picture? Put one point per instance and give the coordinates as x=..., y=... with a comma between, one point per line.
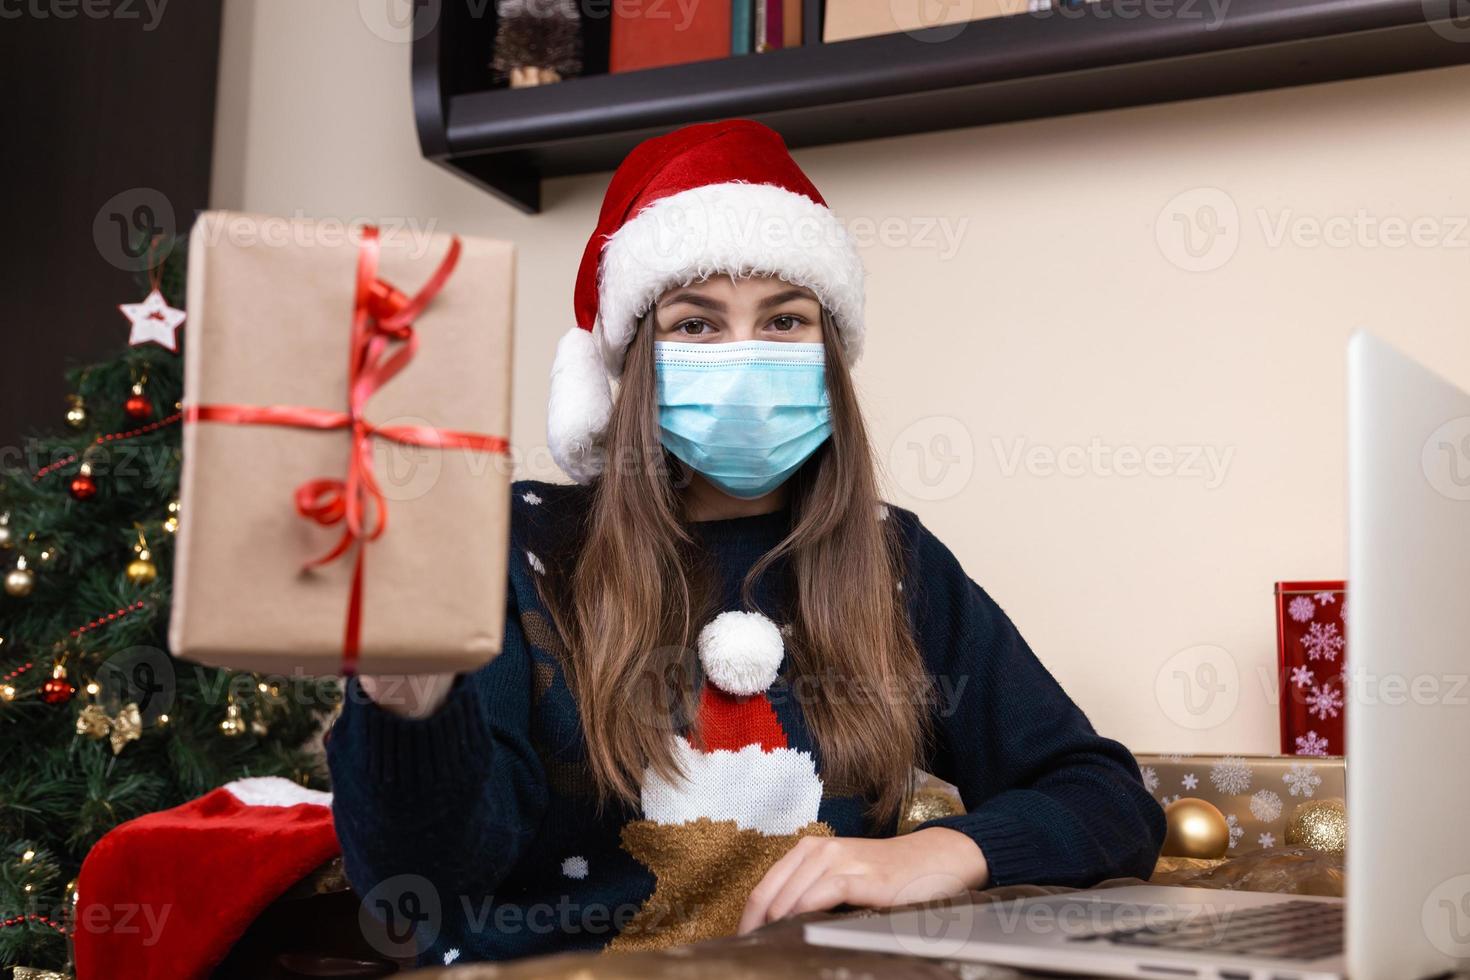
x=383, y=342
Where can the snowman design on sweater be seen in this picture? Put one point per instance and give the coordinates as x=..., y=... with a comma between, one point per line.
x=744, y=799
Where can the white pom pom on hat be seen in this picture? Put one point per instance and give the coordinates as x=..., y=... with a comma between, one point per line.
x=741, y=652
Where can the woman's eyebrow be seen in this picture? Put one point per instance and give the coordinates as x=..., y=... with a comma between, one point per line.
x=695, y=299
x=785, y=296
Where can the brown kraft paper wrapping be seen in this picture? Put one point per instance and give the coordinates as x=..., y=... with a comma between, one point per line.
x=270, y=305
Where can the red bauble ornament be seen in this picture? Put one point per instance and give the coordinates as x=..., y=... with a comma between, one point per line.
x=83, y=487
x=57, y=690
x=138, y=407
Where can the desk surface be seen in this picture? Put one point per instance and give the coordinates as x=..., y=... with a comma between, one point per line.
x=778, y=952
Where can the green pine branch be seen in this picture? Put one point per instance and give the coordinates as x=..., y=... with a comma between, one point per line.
x=61, y=790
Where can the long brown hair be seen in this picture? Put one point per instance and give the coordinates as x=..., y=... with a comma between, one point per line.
x=639, y=590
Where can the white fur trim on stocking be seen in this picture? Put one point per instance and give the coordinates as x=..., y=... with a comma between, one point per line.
x=735, y=229
x=578, y=407
x=740, y=652
x=275, y=791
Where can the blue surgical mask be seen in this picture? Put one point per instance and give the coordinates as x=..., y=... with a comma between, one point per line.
x=743, y=415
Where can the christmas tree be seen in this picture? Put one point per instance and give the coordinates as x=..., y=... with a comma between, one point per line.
x=98, y=723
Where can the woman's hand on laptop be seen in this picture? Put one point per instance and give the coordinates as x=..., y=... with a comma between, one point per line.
x=824, y=872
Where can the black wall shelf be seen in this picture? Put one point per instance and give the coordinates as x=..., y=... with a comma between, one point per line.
x=1103, y=56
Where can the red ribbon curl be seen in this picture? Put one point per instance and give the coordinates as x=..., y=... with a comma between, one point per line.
x=383, y=342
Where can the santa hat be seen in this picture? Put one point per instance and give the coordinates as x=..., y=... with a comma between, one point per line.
x=714, y=199
x=739, y=746
x=195, y=877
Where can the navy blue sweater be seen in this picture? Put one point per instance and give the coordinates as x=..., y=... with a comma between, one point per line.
x=480, y=827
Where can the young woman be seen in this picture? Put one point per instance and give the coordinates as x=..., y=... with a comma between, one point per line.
x=724, y=656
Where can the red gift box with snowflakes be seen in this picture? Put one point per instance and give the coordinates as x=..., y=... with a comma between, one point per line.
x=1311, y=639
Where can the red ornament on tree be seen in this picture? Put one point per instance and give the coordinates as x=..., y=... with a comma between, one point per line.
x=138, y=406
x=82, y=486
x=57, y=689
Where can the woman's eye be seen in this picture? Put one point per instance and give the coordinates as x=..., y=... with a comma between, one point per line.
x=692, y=327
x=786, y=323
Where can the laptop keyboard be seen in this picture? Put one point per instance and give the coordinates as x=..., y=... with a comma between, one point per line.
x=1292, y=930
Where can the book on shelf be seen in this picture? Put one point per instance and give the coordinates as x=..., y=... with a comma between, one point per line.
x=654, y=33
x=742, y=25
x=848, y=19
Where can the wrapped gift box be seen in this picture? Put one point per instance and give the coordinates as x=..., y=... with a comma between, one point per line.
x=275, y=308
x=1311, y=638
x=1257, y=794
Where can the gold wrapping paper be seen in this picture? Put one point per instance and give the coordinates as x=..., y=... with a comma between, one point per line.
x=1256, y=793
x=270, y=306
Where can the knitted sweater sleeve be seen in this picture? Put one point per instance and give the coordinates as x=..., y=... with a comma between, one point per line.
x=1048, y=800
x=453, y=798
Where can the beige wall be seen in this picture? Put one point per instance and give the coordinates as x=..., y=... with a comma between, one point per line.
x=1063, y=313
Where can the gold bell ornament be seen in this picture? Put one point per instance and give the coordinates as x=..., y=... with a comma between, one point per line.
x=141, y=569
x=233, y=725
x=76, y=411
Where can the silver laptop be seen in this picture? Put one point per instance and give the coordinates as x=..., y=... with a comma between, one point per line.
x=1407, y=911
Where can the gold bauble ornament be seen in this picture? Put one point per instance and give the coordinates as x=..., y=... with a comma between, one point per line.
x=20, y=580
x=141, y=570
x=928, y=804
x=1320, y=825
x=1197, y=829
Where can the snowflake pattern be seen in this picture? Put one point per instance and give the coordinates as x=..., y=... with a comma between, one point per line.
x=1325, y=598
x=450, y=955
x=1231, y=775
x=1302, y=779
x=1190, y=780
x=536, y=564
x=1236, y=830
x=1150, y=778
x=1266, y=806
x=531, y=498
x=1311, y=744
x=1267, y=839
x=1166, y=800
x=1322, y=641
x=1324, y=702
x=575, y=867
x=1301, y=609
x=1302, y=677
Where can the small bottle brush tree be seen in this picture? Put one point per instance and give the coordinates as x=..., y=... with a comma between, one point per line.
x=98, y=723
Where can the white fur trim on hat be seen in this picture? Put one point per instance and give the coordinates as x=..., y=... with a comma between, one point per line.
x=579, y=405
x=275, y=791
x=735, y=229
x=740, y=652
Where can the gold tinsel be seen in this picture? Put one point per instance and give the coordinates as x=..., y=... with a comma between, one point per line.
x=34, y=973
x=1320, y=825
